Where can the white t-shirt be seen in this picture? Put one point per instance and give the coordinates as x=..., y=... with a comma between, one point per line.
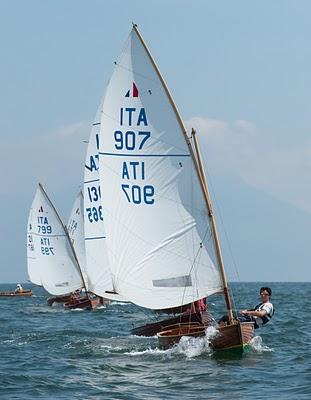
x=268, y=307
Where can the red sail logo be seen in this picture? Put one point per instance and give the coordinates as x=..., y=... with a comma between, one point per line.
x=133, y=92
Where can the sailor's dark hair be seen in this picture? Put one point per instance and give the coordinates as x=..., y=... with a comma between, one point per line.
x=267, y=289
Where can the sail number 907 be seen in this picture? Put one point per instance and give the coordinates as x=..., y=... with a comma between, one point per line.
x=130, y=140
x=137, y=194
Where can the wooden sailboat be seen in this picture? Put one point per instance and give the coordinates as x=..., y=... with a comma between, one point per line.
x=51, y=257
x=75, y=227
x=162, y=241
x=25, y=293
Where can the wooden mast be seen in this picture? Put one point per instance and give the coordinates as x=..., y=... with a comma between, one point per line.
x=214, y=229
x=197, y=163
x=68, y=237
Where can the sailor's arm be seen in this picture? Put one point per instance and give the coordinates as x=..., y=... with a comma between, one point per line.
x=253, y=313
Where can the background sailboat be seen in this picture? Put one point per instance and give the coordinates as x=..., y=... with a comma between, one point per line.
x=99, y=278
x=51, y=263
x=53, y=256
x=162, y=243
x=75, y=228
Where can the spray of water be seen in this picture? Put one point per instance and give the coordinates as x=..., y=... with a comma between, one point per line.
x=194, y=347
x=258, y=346
x=189, y=347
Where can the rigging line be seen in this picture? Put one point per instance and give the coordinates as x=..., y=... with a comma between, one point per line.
x=235, y=293
x=123, y=52
x=196, y=256
x=137, y=73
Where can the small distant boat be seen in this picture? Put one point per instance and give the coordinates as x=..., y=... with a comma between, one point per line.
x=25, y=293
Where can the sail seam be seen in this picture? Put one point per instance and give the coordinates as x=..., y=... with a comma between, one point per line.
x=46, y=235
x=144, y=155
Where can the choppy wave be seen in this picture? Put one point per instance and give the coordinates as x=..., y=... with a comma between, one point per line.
x=63, y=354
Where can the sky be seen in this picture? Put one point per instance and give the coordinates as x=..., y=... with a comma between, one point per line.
x=239, y=72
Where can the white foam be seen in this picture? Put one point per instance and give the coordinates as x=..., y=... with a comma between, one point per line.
x=187, y=346
x=195, y=346
x=103, y=306
x=151, y=351
x=258, y=346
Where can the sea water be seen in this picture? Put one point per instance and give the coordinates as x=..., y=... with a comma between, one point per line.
x=50, y=353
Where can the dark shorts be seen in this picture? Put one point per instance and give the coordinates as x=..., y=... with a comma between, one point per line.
x=241, y=318
x=246, y=318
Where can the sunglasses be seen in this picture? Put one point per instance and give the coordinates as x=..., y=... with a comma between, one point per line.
x=264, y=294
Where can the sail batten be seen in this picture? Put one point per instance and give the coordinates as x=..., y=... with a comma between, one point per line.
x=158, y=228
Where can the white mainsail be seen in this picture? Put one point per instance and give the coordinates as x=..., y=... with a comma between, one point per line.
x=159, y=241
x=98, y=273
x=49, y=255
x=75, y=227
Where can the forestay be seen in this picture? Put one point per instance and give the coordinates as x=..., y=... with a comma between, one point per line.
x=158, y=234
x=98, y=273
x=75, y=229
x=50, y=259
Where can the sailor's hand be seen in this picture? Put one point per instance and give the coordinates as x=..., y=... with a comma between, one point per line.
x=244, y=311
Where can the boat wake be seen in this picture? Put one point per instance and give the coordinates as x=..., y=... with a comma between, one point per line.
x=149, y=351
x=258, y=346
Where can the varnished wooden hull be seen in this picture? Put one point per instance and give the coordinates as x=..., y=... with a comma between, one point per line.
x=86, y=303
x=26, y=293
x=83, y=302
x=155, y=327
x=58, y=299
x=172, y=334
x=234, y=336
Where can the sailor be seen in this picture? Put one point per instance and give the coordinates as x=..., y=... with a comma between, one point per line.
x=260, y=315
x=19, y=288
